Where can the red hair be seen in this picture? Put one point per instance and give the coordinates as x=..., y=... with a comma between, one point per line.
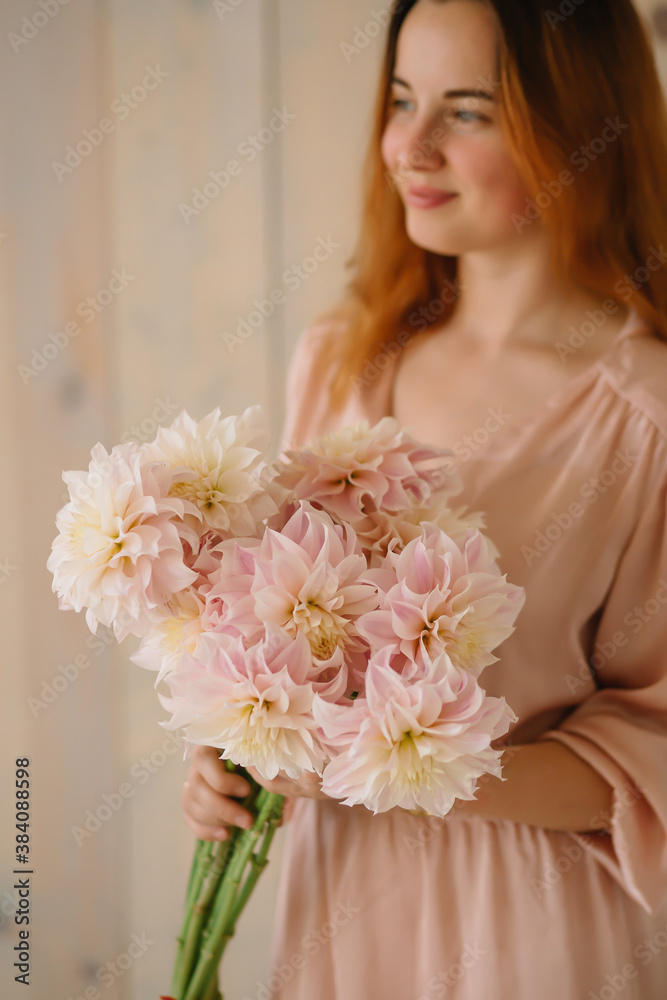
x=562, y=80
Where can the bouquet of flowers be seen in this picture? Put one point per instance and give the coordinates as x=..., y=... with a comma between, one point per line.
x=327, y=612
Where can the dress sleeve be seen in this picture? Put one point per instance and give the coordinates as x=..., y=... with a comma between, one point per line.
x=306, y=395
x=621, y=729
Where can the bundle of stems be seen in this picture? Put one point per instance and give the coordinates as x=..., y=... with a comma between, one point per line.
x=222, y=878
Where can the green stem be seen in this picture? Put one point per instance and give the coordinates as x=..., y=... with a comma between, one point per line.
x=213, y=991
x=214, y=935
x=258, y=862
x=195, y=867
x=208, y=868
x=202, y=848
x=196, y=914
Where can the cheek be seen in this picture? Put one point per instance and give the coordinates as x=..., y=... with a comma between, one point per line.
x=492, y=174
x=389, y=147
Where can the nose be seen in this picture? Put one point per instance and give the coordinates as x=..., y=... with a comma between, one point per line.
x=419, y=150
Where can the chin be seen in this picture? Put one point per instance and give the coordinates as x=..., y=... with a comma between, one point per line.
x=434, y=244
x=456, y=244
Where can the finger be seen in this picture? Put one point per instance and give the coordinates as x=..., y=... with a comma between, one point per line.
x=206, y=806
x=288, y=809
x=209, y=765
x=206, y=760
x=279, y=786
x=206, y=832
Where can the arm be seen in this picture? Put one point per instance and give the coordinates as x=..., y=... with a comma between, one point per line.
x=545, y=784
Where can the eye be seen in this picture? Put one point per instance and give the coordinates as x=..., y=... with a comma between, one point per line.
x=397, y=102
x=465, y=116
x=453, y=115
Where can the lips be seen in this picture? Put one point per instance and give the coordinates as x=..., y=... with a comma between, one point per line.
x=427, y=197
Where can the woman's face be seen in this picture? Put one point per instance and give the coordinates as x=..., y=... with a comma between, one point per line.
x=444, y=131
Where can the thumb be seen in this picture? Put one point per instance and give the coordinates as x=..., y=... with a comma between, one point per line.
x=288, y=809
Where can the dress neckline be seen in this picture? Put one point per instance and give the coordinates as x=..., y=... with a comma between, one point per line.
x=634, y=325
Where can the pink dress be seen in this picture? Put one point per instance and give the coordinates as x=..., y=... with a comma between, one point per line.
x=402, y=907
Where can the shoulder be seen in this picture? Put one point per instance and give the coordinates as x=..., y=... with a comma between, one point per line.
x=638, y=374
x=308, y=382
x=309, y=346
x=311, y=362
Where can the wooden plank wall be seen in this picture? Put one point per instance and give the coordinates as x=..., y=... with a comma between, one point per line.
x=218, y=73
x=57, y=399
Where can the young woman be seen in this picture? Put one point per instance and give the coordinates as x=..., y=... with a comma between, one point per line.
x=509, y=302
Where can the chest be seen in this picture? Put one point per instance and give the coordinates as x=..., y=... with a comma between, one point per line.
x=445, y=393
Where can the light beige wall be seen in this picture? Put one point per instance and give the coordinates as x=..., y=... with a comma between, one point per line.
x=160, y=341
x=157, y=347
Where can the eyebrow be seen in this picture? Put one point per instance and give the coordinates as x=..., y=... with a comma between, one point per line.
x=450, y=93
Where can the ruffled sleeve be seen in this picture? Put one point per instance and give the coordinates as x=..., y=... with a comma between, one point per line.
x=621, y=729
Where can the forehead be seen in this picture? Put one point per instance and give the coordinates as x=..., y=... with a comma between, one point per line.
x=446, y=43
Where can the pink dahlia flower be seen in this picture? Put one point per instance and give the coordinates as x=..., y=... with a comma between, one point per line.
x=359, y=469
x=203, y=556
x=218, y=464
x=254, y=704
x=119, y=552
x=230, y=604
x=163, y=647
x=378, y=529
x=416, y=744
x=436, y=597
x=304, y=579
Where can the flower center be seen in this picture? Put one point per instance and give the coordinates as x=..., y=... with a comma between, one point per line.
x=324, y=630
x=414, y=769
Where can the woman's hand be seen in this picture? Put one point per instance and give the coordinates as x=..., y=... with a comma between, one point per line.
x=308, y=786
x=211, y=792
x=210, y=796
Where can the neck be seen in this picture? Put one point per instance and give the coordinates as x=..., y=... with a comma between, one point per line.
x=510, y=296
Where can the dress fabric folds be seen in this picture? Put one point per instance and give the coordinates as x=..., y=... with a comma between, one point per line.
x=405, y=907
